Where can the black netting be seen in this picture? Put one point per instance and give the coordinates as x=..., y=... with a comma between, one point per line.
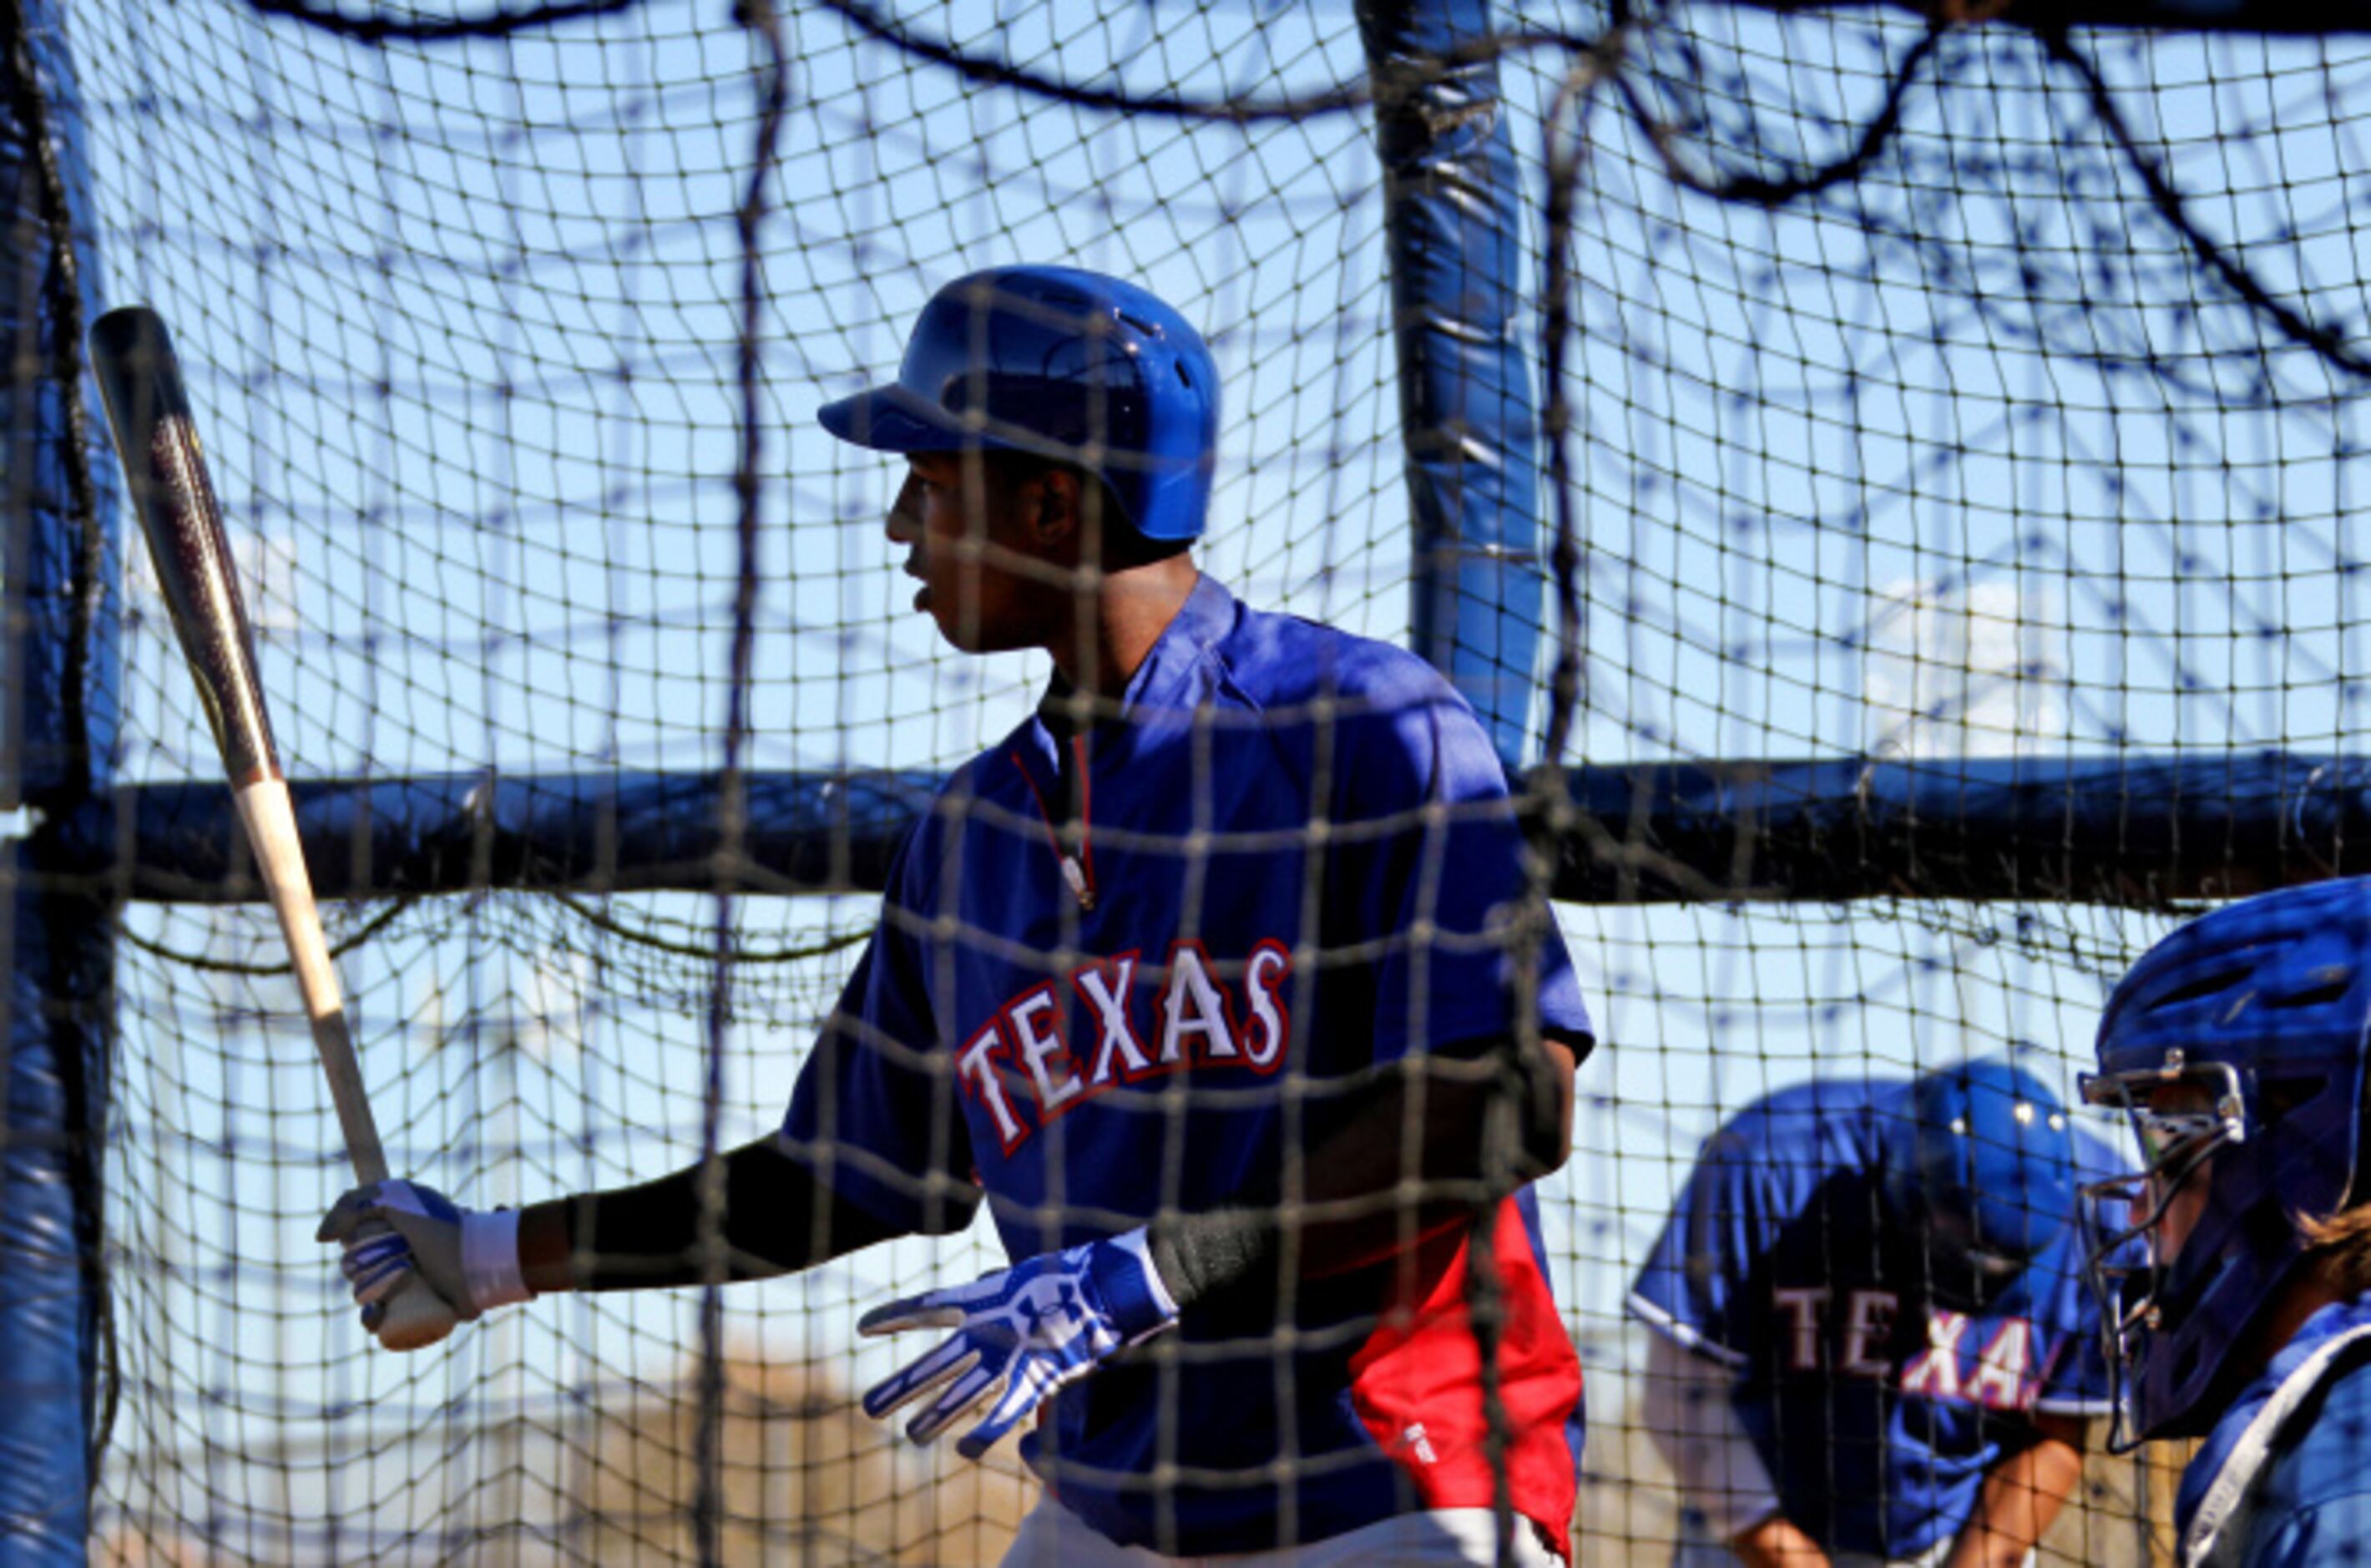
x=1967, y=399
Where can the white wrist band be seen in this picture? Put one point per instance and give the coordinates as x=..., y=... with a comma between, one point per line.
x=489, y=1260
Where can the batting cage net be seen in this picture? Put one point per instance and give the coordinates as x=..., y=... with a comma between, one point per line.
x=1952, y=429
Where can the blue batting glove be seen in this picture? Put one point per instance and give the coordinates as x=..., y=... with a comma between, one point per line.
x=1021, y=1333
x=389, y=1231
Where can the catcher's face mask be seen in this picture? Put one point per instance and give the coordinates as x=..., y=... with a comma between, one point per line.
x=2137, y=1223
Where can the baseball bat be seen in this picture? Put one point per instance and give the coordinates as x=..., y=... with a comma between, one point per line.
x=156, y=438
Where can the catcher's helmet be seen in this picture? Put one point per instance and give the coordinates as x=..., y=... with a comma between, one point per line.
x=1987, y=1165
x=1068, y=365
x=2257, y=1014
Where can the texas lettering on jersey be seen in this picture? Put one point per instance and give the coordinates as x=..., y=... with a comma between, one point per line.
x=1855, y=1332
x=1117, y=1020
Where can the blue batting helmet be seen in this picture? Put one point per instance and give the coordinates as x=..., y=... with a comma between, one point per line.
x=1067, y=365
x=1987, y=1164
x=2257, y=1015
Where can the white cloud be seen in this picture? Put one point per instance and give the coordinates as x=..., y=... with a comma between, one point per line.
x=1973, y=669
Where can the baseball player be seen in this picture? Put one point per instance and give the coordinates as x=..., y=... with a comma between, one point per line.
x=2238, y=1044
x=1871, y=1342
x=1210, y=978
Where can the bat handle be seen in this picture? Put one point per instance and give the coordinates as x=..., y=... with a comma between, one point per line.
x=416, y=1316
x=271, y=822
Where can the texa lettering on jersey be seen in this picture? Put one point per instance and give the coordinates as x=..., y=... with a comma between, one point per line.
x=1116, y=1021
x=1863, y=1333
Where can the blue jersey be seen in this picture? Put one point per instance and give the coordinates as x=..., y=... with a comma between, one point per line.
x=2281, y=1482
x=1105, y=958
x=1876, y=1401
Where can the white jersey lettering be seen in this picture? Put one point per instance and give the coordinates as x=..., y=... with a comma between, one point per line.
x=1270, y=1029
x=1042, y=1051
x=1803, y=1305
x=1105, y=987
x=1999, y=1380
x=1869, y=1328
x=1194, y=1005
x=1049, y=1040
x=1935, y=1371
x=975, y=1067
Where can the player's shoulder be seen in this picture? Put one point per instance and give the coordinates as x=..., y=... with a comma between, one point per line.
x=1394, y=730
x=1285, y=662
x=1826, y=1119
x=2313, y=1503
x=2320, y=1458
x=988, y=786
x=1830, y=1099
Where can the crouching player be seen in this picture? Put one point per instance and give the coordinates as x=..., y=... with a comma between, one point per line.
x=2238, y=1044
x=1871, y=1339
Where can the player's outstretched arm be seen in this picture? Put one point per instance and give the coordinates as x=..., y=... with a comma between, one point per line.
x=2021, y=1496
x=777, y=1217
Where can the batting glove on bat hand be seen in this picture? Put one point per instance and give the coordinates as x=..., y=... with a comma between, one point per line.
x=1019, y=1334
x=393, y=1230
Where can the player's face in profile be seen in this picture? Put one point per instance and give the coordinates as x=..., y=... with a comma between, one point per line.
x=967, y=545
x=2176, y=1199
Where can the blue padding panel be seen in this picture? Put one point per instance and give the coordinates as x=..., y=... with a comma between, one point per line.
x=1468, y=417
x=2131, y=830
x=69, y=699
x=57, y=990
x=58, y=945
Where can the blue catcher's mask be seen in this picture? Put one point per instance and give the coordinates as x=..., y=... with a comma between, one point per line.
x=2236, y=1045
x=1062, y=364
x=1986, y=1166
